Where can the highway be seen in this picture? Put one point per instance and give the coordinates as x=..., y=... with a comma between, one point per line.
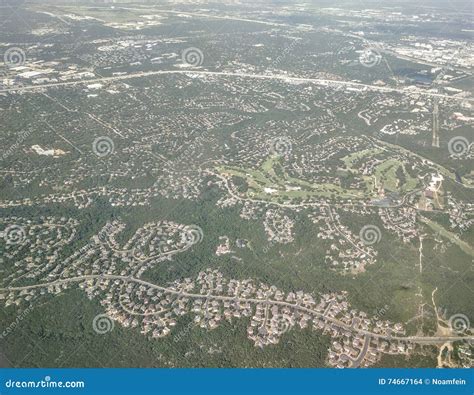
x=276, y=77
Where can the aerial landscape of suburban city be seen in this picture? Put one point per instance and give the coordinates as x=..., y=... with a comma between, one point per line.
x=237, y=184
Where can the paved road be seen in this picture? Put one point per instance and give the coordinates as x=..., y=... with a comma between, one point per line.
x=338, y=323
x=356, y=362
x=334, y=223
x=284, y=78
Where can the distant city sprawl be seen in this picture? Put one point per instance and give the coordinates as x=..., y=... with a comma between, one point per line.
x=235, y=184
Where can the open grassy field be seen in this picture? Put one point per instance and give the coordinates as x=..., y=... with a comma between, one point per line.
x=271, y=183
